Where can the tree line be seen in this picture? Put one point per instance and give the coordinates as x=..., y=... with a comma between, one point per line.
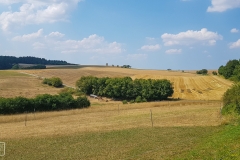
x=126, y=88
x=45, y=102
x=7, y=62
x=231, y=98
x=231, y=70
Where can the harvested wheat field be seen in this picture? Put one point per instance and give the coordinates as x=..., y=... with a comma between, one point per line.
x=187, y=85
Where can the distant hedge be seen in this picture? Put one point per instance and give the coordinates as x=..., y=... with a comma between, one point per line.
x=45, y=102
x=54, y=81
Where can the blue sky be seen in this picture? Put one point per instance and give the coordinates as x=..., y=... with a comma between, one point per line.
x=146, y=34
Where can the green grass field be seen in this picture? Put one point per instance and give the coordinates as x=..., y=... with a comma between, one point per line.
x=221, y=142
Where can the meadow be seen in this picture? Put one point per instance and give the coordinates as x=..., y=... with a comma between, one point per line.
x=189, y=128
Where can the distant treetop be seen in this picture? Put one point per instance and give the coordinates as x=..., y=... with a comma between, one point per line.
x=126, y=66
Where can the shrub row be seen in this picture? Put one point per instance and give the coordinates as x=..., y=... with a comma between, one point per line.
x=126, y=88
x=54, y=81
x=45, y=102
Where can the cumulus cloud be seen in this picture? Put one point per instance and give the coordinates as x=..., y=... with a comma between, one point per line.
x=223, y=5
x=174, y=51
x=151, y=47
x=191, y=37
x=234, y=30
x=235, y=44
x=91, y=44
x=35, y=12
x=56, y=34
x=28, y=37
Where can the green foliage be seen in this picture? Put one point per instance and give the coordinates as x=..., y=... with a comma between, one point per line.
x=54, y=81
x=72, y=91
x=45, y=102
x=126, y=88
x=138, y=99
x=231, y=100
x=214, y=72
x=231, y=70
x=202, y=71
x=126, y=66
x=125, y=102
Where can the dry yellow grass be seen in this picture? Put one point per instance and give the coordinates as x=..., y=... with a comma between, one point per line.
x=187, y=85
x=110, y=117
x=14, y=84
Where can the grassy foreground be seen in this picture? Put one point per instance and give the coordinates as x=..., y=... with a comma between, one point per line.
x=221, y=142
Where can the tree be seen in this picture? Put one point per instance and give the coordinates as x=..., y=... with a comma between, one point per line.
x=214, y=72
x=203, y=71
x=126, y=66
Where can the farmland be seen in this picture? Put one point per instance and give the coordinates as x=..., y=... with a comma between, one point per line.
x=188, y=128
x=187, y=85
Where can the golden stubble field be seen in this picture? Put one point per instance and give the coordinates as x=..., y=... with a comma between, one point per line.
x=187, y=85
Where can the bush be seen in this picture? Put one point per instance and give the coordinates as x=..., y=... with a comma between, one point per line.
x=54, y=81
x=214, y=72
x=231, y=100
x=203, y=71
x=72, y=91
x=125, y=102
x=138, y=99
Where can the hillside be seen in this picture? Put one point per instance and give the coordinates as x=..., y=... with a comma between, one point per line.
x=187, y=85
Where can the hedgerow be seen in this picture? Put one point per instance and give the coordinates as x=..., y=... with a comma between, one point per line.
x=45, y=102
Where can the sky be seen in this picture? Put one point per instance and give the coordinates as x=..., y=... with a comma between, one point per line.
x=145, y=34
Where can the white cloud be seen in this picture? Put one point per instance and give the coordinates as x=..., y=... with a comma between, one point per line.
x=234, y=30
x=56, y=34
x=235, y=44
x=35, y=12
x=191, y=37
x=28, y=37
x=223, y=5
x=174, y=51
x=136, y=56
x=151, y=47
x=91, y=44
